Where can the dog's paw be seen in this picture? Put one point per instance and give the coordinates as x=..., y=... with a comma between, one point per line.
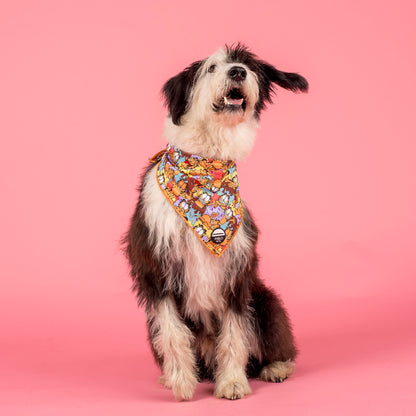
x=184, y=389
x=182, y=385
x=232, y=389
x=277, y=371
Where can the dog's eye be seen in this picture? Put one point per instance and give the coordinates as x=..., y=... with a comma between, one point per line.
x=211, y=68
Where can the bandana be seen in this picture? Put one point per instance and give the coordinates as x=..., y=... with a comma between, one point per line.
x=204, y=192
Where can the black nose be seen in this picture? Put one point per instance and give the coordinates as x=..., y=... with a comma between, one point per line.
x=237, y=73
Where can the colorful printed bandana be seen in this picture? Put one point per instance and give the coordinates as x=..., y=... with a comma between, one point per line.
x=204, y=192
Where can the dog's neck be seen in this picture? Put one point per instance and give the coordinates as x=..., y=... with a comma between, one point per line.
x=226, y=141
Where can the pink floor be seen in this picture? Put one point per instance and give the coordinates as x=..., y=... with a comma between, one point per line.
x=354, y=360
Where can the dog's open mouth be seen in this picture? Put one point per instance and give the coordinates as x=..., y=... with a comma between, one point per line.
x=234, y=97
x=234, y=100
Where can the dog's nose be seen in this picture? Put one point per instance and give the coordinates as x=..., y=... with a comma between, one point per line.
x=237, y=73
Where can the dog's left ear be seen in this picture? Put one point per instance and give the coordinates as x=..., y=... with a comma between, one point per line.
x=269, y=76
x=177, y=91
x=287, y=80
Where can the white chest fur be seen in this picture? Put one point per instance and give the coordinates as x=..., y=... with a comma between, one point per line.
x=204, y=273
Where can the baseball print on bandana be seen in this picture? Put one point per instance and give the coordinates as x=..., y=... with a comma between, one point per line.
x=204, y=192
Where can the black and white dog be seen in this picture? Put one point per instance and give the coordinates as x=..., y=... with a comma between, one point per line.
x=209, y=317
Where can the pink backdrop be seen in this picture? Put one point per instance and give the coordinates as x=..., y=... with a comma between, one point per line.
x=80, y=113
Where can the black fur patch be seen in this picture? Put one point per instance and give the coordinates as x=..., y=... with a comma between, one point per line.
x=177, y=91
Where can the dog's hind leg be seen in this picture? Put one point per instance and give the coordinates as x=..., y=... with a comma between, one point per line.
x=232, y=355
x=172, y=343
x=275, y=338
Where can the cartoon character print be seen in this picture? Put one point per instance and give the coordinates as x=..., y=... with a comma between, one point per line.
x=204, y=192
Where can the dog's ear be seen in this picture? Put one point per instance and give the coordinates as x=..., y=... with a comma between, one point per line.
x=268, y=77
x=287, y=80
x=177, y=91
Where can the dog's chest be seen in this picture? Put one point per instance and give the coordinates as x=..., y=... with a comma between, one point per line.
x=203, y=276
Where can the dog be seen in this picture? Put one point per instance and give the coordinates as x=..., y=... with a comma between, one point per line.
x=191, y=244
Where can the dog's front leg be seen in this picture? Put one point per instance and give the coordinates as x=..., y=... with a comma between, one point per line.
x=232, y=355
x=172, y=340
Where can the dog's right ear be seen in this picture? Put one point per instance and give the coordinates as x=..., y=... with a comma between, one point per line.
x=177, y=91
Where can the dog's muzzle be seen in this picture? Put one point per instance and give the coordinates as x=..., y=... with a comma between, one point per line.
x=234, y=99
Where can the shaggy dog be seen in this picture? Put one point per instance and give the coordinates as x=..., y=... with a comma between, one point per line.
x=209, y=315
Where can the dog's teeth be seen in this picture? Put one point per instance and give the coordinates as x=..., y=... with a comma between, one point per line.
x=233, y=101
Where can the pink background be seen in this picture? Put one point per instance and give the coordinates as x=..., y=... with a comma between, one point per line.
x=80, y=113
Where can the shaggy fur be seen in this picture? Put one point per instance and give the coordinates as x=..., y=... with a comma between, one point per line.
x=210, y=317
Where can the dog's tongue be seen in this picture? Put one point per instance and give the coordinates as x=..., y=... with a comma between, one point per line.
x=233, y=101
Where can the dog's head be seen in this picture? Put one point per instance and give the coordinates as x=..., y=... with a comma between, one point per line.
x=215, y=102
